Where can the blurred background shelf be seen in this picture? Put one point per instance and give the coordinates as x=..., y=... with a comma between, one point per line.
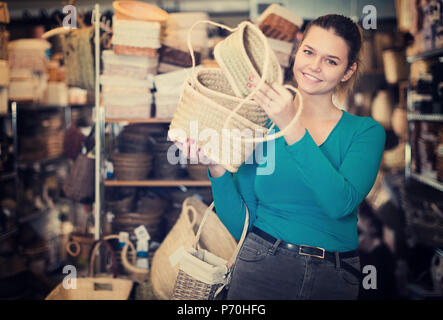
x=431, y=182
x=427, y=117
x=425, y=55
x=132, y=121
x=157, y=183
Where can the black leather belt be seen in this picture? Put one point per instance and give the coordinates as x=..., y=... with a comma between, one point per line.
x=313, y=251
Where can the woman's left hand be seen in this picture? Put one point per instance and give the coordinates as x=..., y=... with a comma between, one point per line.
x=276, y=100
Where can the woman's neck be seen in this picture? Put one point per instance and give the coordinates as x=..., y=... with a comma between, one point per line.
x=318, y=107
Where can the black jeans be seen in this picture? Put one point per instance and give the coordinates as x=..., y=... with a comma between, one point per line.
x=263, y=271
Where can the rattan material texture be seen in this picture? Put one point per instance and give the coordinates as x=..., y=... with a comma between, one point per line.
x=204, y=274
x=242, y=54
x=214, y=237
x=207, y=115
x=95, y=288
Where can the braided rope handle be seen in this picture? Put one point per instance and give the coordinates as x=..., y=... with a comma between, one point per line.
x=231, y=261
x=259, y=85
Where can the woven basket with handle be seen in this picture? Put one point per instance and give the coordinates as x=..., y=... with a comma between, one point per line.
x=244, y=53
x=95, y=288
x=203, y=274
x=214, y=237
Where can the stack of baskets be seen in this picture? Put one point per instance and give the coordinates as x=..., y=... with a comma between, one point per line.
x=280, y=26
x=218, y=100
x=131, y=166
x=137, y=28
x=163, y=169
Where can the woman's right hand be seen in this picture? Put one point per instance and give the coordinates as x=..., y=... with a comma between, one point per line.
x=191, y=151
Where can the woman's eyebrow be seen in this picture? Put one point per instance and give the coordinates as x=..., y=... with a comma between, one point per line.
x=330, y=56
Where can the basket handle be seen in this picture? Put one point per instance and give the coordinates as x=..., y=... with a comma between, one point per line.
x=240, y=242
x=275, y=135
x=92, y=255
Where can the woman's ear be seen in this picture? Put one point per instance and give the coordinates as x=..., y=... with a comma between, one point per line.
x=348, y=74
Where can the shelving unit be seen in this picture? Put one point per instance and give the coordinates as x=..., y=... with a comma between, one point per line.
x=133, y=121
x=412, y=116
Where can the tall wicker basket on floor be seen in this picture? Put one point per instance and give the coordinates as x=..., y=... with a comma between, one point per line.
x=202, y=275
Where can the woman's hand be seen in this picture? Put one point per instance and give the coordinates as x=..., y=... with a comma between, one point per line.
x=276, y=100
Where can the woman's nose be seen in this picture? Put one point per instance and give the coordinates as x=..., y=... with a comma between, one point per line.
x=315, y=65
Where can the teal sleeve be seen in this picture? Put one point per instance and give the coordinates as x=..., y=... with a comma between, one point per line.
x=231, y=192
x=339, y=191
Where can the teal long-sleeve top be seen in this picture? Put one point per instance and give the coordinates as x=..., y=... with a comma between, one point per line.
x=305, y=193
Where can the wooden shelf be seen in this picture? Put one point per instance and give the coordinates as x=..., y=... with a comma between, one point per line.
x=158, y=183
x=430, y=182
x=425, y=55
x=425, y=117
x=152, y=120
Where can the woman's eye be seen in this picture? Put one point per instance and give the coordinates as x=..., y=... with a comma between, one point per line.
x=309, y=52
x=332, y=62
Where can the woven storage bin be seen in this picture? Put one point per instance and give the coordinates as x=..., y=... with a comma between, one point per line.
x=214, y=237
x=203, y=274
x=131, y=166
x=197, y=171
x=121, y=206
x=95, y=288
x=279, y=23
x=395, y=66
x=80, y=245
x=177, y=57
x=242, y=54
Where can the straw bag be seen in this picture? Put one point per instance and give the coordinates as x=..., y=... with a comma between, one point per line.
x=202, y=274
x=78, y=57
x=207, y=101
x=215, y=238
x=91, y=288
x=79, y=185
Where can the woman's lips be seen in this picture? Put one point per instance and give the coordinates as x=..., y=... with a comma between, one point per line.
x=311, y=78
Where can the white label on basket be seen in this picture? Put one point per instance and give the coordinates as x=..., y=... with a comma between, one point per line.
x=141, y=233
x=176, y=256
x=142, y=245
x=123, y=237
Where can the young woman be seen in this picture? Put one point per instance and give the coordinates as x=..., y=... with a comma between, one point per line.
x=302, y=242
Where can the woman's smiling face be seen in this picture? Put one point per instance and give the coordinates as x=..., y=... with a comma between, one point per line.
x=321, y=62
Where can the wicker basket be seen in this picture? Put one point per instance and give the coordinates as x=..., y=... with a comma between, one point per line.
x=244, y=53
x=177, y=57
x=213, y=84
x=198, y=171
x=203, y=274
x=137, y=10
x=79, y=185
x=95, y=288
x=215, y=238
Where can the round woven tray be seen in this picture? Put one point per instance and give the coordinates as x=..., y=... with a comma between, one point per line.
x=137, y=10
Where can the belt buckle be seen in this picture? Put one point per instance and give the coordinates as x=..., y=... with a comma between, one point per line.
x=312, y=255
